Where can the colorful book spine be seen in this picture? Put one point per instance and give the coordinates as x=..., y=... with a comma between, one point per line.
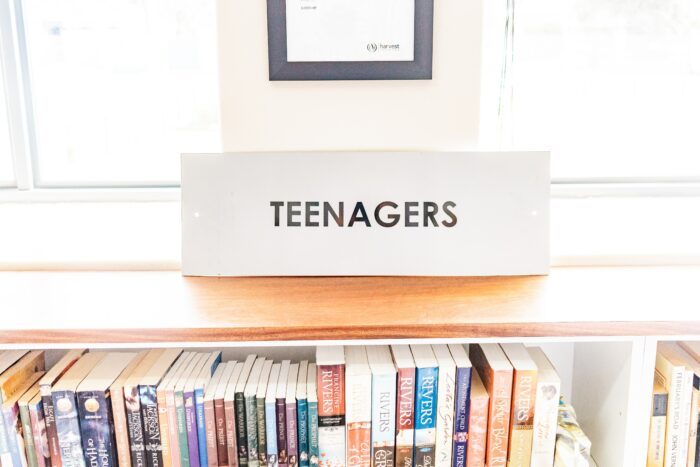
x=522, y=417
x=95, y=411
x=271, y=433
x=694, y=413
x=50, y=424
x=210, y=434
x=292, y=444
x=191, y=428
x=463, y=385
x=251, y=419
x=262, y=431
x=405, y=415
x=15, y=440
x=383, y=408
x=5, y=456
x=201, y=426
x=312, y=423
x=426, y=403
x=165, y=427
x=151, y=426
x=241, y=429
x=29, y=447
x=182, y=451
x=41, y=442
x=68, y=428
x=281, y=424
x=331, y=415
x=303, y=432
x=135, y=426
x=478, y=423
x=231, y=442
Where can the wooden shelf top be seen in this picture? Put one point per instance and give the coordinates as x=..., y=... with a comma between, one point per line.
x=45, y=308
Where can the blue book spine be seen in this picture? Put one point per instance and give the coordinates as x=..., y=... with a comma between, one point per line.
x=4, y=447
x=68, y=427
x=199, y=412
x=96, y=429
x=312, y=422
x=271, y=433
x=463, y=382
x=426, y=408
x=12, y=424
x=303, y=432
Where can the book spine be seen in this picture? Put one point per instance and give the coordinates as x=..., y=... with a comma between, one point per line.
x=50, y=422
x=271, y=433
x=241, y=427
x=383, y=407
x=5, y=456
x=221, y=449
x=330, y=382
x=426, y=401
x=182, y=451
x=281, y=424
x=231, y=444
x=501, y=387
x=68, y=428
x=151, y=427
x=121, y=431
x=685, y=412
x=313, y=433
x=544, y=431
x=405, y=400
x=463, y=384
x=303, y=432
x=251, y=417
x=444, y=421
x=164, y=428
x=41, y=444
x=13, y=425
x=478, y=428
x=522, y=417
x=262, y=431
x=191, y=425
x=135, y=426
x=201, y=426
x=210, y=434
x=292, y=445
x=172, y=434
x=29, y=446
x=95, y=413
x=657, y=431
x=693, y=429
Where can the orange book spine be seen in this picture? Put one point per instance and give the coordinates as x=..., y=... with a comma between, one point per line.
x=522, y=417
x=164, y=428
x=210, y=426
x=500, y=389
x=121, y=430
x=359, y=444
x=478, y=427
x=231, y=439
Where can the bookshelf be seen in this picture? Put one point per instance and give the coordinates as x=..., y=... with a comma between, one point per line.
x=599, y=325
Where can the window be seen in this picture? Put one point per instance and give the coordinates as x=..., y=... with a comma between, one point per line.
x=612, y=88
x=120, y=88
x=6, y=169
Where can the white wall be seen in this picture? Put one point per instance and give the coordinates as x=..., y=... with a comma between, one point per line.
x=260, y=115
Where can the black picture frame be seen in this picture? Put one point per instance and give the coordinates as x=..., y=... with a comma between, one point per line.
x=281, y=70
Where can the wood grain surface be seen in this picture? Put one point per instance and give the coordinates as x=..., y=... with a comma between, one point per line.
x=135, y=307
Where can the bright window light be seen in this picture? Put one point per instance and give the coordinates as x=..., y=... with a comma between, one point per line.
x=612, y=88
x=120, y=88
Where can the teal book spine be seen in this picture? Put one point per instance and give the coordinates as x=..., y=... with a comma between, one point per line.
x=303, y=432
x=312, y=424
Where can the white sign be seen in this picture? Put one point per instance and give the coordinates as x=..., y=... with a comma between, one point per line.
x=406, y=214
x=350, y=30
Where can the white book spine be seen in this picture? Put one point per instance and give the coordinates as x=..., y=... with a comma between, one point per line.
x=444, y=424
x=545, y=424
x=383, y=417
x=685, y=411
x=674, y=437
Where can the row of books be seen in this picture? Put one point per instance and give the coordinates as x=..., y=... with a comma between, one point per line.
x=675, y=415
x=360, y=406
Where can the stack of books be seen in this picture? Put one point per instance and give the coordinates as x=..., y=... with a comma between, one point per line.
x=673, y=436
x=355, y=406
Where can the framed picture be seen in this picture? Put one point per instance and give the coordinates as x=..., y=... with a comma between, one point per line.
x=350, y=39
